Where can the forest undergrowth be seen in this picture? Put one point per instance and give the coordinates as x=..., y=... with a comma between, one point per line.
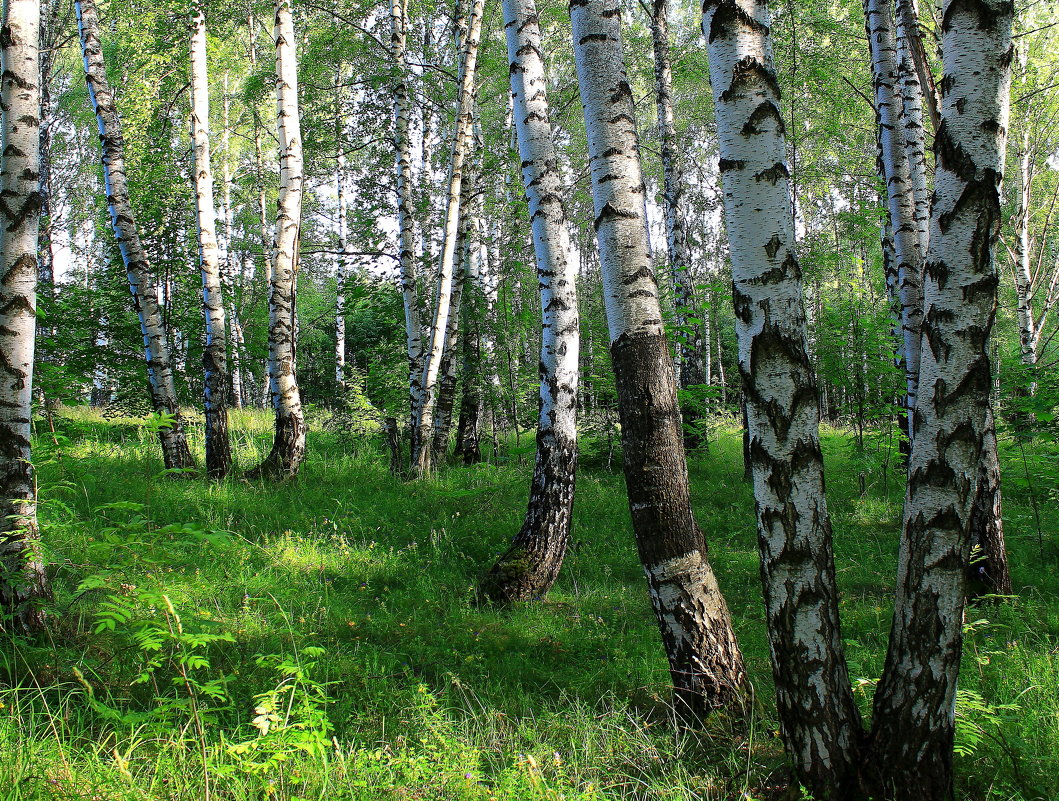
x=321, y=638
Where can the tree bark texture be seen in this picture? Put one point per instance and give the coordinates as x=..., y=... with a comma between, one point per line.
x=705, y=662
x=819, y=721
x=913, y=730
x=288, y=447
x=161, y=382
x=531, y=564
x=422, y=432
x=405, y=219
x=23, y=581
x=901, y=199
x=215, y=353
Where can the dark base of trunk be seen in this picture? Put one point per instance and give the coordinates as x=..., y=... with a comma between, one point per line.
x=175, y=452
x=218, y=446
x=704, y=658
x=393, y=442
x=24, y=585
x=288, y=449
x=531, y=565
x=468, y=437
x=988, y=571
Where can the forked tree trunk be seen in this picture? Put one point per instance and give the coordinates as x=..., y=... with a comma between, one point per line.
x=422, y=431
x=915, y=702
x=819, y=721
x=215, y=353
x=531, y=564
x=405, y=220
x=288, y=447
x=705, y=663
x=23, y=582
x=175, y=451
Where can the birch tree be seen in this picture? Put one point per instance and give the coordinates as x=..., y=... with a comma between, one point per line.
x=705, y=663
x=422, y=432
x=23, y=582
x=691, y=369
x=915, y=702
x=123, y=220
x=819, y=722
x=215, y=353
x=908, y=246
x=405, y=219
x=288, y=447
x=530, y=566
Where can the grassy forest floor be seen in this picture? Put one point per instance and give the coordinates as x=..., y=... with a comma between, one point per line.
x=319, y=639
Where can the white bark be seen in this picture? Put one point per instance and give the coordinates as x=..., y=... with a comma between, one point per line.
x=22, y=579
x=288, y=448
x=424, y=425
x=818, y=716
x=405, y=220
x=901, y=199
x=141, y=281
x=915, y=701
x=215, y=354
x=705, y=663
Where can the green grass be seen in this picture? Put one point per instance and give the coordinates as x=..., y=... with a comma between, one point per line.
x=419, y=693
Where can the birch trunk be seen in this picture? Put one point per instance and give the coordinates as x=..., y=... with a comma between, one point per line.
x=1024, y=314
x=422, y=432
x=901, y=200
x=343, y=275
x=704, y=659
x=162, y=386
x=288, y=447
x=689, y=337
x=819, y=721
x=231, y=258
x=531, y=564
x=405, y=219
x=914, y=704
x=215, y=353
x=23, y=582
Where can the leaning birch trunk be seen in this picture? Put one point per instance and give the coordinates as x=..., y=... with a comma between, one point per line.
x=901, y=198
x=405, y=219
x=175, y=451
x=819, y=721
x=422, y=431
x=288, y=447
x=530, y=566
x=215, y=353
x=23, y=582
x=705, y=663
x=914, y=706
